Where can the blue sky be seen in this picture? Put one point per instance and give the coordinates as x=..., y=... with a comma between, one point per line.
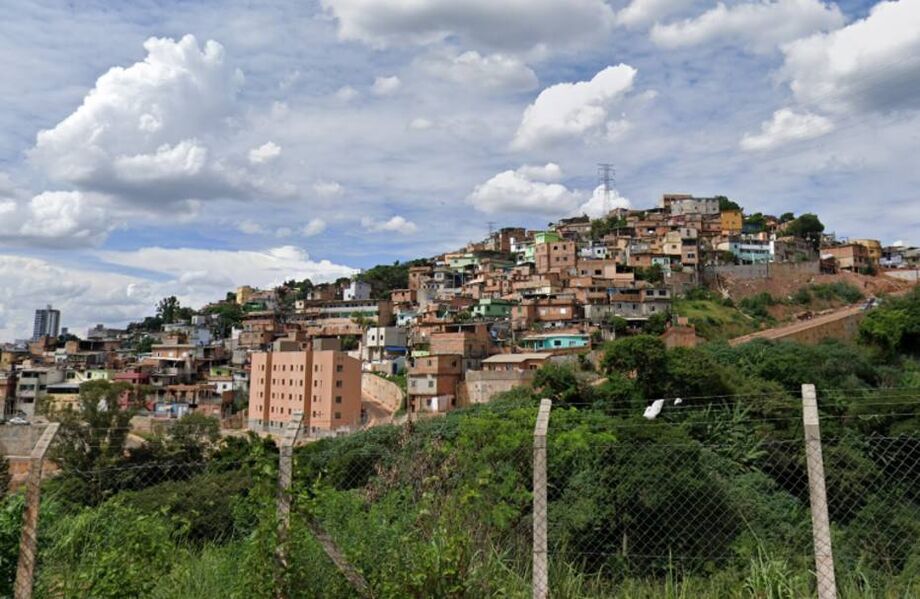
x=155, y=148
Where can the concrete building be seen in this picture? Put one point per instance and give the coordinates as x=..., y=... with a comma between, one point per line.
x=357, y=290
x=325, y=385
x=555, y=256
x=47, y=323
x=432, y=383
x=382, y=343
x=873, y=249
x=850, y=256
x=32, y=387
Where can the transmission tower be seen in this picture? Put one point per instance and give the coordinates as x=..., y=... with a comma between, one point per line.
x=606, y=176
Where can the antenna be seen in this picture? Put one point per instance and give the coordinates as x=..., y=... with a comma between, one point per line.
x=606, y=176
x=491, y=224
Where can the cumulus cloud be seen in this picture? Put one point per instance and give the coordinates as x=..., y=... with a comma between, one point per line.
x=195, y=276
x=872, y=64
x=314, y=227
x=396, y=224
x=258, y=268
x=328, y=189
x=420, y=124
x=493, y=72
x=55, y=219
x=346, y=93
x=639, y=13
x=601, y=203
x=785, y=126
x=386, y=86
x=155, y=132
x=525, y=190
x=535, y=189
x=569, y=110
x=250, y=227
x=758, y=27
x=512, y=24
x=264, y=153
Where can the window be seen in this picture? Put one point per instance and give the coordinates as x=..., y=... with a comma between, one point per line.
x=338, y=415
x=557, y=342
x=338, y=368
x=430, y=384
x=338, y=384
x=338, y=399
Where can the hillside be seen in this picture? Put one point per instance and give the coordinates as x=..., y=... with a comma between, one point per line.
x=709, y=499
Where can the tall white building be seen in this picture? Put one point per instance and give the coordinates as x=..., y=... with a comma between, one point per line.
x=47, y=323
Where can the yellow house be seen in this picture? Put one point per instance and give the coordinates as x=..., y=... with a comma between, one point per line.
x=873, y=247
x=732, y=222
x=243, y=294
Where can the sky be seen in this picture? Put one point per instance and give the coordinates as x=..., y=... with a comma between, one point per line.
x=166, y=147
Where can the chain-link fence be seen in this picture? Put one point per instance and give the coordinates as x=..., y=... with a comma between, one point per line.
x=704, y=497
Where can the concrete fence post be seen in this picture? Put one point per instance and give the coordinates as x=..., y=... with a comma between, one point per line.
x=820, y=522
x=285, y=477
x=540, y=558
x=28, y=544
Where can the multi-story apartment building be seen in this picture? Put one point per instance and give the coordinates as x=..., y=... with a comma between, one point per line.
x=47, y=323
x=325, y=385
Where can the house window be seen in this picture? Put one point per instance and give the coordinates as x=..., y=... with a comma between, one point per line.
x=338, y=368
x=338, y=399
x=338, y=415
x=557, y=342
x=430, y=384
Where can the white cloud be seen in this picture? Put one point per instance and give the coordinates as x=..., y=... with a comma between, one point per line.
x=156, y=132
x=283, y=232
x=758, y=26
x=600, y=203
x=55, y=219
x=420, y=124
x=328, y=189
x=386, y=86
x=522, y=191
x=494, y=72
x=547, y=172
x=346, y=93
x=785, y=126
x=396, y=224
x=568, y=110
x=240, y=267
x=639, y=13
x=514, y=24
x=264, y=153
x=314, y=227
x=250, y=227
x=196, y=276
x=870, y=65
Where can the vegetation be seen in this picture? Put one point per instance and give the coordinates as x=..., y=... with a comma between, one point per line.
x=170, y=311
x=602, y=227
x=384, y=278
x=714, y=319
x=727, y=204
x=807, y=226
x=709, y=499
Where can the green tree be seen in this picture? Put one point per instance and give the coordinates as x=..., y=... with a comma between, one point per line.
x=807, y=226
x=170, y=311
x=726, y=204
x=656, y=323
x=785, y=217
x=643, y=357
x=91, y=438
x=895, y=325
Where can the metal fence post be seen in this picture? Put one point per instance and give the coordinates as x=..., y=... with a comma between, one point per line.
x=28, y=544
x=540, y=565
x=820, y=523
